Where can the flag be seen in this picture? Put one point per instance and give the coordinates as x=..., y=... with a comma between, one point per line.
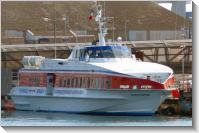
x=91, y=15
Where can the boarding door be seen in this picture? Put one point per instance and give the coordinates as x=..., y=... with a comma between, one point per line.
x=50, y=83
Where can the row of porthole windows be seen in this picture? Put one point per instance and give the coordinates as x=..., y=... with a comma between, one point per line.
x=85, y=82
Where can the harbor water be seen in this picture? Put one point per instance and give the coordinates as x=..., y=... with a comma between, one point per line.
x=30, y=118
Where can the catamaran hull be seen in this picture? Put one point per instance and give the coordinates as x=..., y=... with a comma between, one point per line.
x=133, y=102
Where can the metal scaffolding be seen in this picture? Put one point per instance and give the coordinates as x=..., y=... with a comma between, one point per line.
x=173, y=53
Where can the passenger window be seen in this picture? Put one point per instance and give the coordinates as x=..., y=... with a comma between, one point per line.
x=60, y=83
x=76, y=82
x=77, y=85
x=102, y=83
x=63, y=82
x=37, y=79
x=84, y=83
x=97, y=83
x=68, y=82
x=92, y=83
x=72, y=82
x=108, y=83
x=88, y=82
x=81, y=82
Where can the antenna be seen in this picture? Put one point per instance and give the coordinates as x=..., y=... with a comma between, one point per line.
x=101, y=25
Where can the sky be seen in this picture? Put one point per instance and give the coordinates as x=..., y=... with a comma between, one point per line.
x=168, y=6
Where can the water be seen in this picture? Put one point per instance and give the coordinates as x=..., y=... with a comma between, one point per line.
x=29, y=118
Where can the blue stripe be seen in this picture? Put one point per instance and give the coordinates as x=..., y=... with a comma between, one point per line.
x=99, y=113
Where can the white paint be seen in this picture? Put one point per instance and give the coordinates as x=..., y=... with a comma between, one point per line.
x=95, y=101
x=124, y=86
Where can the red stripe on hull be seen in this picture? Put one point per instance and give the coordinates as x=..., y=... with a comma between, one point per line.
x=91, y=81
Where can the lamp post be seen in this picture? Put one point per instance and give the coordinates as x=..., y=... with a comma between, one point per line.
x=113, y=29
x=54, y=23
x=125, y=29
x=65, y=18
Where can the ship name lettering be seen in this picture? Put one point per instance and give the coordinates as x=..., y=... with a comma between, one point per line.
x=146, y=87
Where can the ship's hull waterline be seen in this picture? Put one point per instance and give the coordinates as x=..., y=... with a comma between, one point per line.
x=132, y=102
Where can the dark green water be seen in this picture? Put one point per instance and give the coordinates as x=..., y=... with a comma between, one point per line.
x=29, y=118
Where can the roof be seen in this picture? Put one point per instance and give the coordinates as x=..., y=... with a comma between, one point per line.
x=66, y=46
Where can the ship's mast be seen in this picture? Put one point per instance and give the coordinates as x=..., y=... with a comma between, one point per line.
x=101, y=26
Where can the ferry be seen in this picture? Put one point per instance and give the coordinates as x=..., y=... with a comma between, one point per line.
x=95, y=79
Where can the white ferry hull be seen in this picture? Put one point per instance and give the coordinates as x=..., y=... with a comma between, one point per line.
x=133, y=102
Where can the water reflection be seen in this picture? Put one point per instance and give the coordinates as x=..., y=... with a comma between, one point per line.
x=30, y=118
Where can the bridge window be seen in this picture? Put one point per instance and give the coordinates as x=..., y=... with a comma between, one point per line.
x=77, y=54
x=102, y=52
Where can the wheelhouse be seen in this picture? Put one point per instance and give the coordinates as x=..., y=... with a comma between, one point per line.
x=115, y=51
